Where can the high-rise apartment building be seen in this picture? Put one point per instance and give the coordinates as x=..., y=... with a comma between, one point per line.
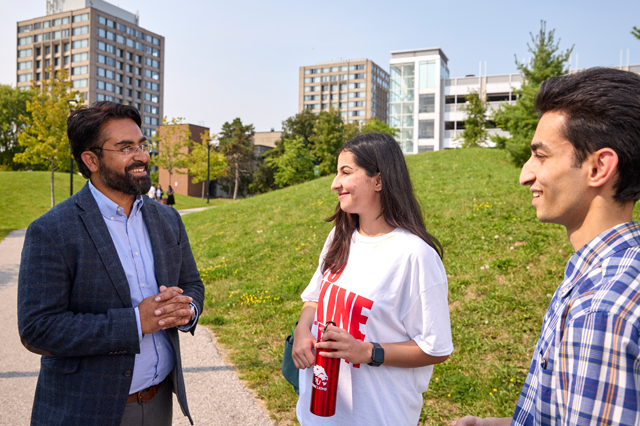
x=107, y=54
x=358, y=88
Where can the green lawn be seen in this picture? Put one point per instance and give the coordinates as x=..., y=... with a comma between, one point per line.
x=258, y=254
x=27, y=195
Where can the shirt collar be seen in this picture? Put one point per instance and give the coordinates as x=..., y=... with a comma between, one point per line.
x=108, y=208
x=611, y=241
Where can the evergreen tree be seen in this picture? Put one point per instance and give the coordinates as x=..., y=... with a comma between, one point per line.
x=236, y=145
x=475, y=131
x=44, y=138
x=521, y=119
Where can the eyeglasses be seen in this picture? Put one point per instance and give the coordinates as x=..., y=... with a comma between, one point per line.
x=128, y=150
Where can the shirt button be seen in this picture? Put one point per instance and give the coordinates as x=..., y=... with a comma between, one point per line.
x=142, y=284
x=136, y=253
x=127, y=373
x=158, y=347
x=111, y=217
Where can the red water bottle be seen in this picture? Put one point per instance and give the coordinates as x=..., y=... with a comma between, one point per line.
x=324, y=387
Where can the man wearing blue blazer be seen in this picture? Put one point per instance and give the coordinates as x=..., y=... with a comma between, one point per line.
x=107, y=279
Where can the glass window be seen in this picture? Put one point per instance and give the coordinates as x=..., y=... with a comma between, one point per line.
x=131, y=43
x=24, y=40
x=396, y=71
x=65, y=20
x=395, y=108
x=25, y=65
x=37, y=25
x=138, y=71
x=325, y=70
x=427, y=103
x=24, y=53
x=152, y=74
x=79, y=57
x=334, y=69
x=80, y=18
x=55, y=22
x=121, y=40
x=46, y=24
x=139, y=46
x=151, y=98
x=407, y=108
x=428, y=74
x=66, y=47
x=151, y=86
x=80, y=70
x=408, y=70
x=47, y=62
x=23, y=78
x=426, y=129
x=24, y=28
x=66, y=60
x=106, y=47
x=37, y=38
x=80, y=30
x=46, y=36
x=56, y=48
x=343, y=68
x=122, y=28
x=407, y=121
x=78, y=44
x=56, y=62
x=55, y=35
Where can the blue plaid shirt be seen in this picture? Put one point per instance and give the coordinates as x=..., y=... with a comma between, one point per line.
x=586, y=365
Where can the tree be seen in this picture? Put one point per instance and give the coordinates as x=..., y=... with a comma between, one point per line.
x=196, y=161
x=170, y=140
x=44, y=138
x=13, y=106
x=373, y=125
x=263, y=179
x=636, y=32
x=521, y=119
x=329, y=136
x=302, y=124
x=296, y=165
x=236, y=145
x=475, y=131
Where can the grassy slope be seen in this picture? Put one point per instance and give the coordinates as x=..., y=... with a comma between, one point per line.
x=27, y=195
x=257, y=255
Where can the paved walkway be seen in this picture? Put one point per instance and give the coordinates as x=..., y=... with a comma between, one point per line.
x=216, y=396
x=197, y=209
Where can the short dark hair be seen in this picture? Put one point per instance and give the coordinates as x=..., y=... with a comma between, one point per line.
x=84, y=127
x=602, y=110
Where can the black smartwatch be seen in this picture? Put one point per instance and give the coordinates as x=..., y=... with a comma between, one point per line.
x=377, y=355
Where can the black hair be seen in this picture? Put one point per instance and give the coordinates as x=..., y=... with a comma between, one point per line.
x=602, y=110
x=84, y=127
x=379, y=153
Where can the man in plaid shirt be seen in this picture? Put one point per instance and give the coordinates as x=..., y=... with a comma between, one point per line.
x=584, y=173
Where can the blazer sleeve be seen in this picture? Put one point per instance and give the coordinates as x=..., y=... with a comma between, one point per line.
x=189, y=279
x=45, y=320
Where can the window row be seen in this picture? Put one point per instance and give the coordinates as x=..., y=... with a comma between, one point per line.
x=80, y=83
x=335, y=87
x=335, y=69
x=84, y=69
x=151, y=120
x=52, y=23
x=131, y=31
x=152, y=86
x=128, y=42
x=25, y=65
x=341, y=77
x=47, y=62
x=22, y=78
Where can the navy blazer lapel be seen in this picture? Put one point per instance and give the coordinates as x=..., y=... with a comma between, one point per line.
x=99, y=233
x=155, y=227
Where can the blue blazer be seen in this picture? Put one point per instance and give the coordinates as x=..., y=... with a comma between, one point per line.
x=74, y=303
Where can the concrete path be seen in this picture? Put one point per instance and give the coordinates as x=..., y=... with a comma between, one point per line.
x=197, y=209
x=215, y=395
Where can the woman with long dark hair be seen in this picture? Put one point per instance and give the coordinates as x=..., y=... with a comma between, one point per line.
x=381, y=280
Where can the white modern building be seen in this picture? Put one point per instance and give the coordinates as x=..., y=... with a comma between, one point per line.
x=425, y=102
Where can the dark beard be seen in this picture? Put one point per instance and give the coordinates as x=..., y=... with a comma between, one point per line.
x=125, y=183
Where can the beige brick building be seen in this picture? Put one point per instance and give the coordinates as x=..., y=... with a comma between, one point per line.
x=358, y=88
x=107, y=54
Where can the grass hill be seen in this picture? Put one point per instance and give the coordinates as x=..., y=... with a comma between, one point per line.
x=27, y=195
x=257, y=255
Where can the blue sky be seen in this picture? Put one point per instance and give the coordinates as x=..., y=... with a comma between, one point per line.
x=228, y=59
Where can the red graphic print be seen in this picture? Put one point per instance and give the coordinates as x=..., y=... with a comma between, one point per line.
x=342, y=307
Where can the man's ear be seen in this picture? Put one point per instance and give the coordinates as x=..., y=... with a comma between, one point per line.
x=90, y=160
x=603, y=166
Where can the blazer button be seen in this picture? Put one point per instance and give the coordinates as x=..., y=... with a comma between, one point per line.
x=127, y=373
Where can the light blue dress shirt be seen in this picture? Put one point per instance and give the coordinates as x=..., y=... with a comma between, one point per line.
x=131, y=239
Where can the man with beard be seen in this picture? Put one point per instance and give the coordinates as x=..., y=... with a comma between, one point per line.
x=107, y=278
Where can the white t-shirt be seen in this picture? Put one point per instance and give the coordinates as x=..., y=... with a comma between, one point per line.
x=393, y=289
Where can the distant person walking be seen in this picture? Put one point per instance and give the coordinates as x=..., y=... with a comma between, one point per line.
x=170, y=199
x=159, y=193
x=152, y=192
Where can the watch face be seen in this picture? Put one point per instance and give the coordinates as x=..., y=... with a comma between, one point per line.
x=378, y=355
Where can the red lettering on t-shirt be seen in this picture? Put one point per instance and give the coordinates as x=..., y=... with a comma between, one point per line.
x=343, y=309
x=357, y=318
